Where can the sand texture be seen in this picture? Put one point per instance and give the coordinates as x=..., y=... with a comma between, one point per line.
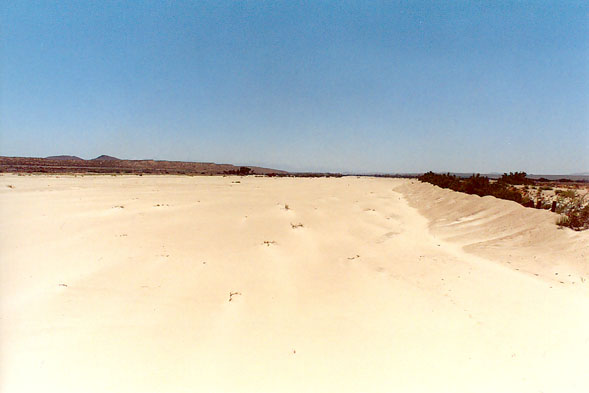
x=250, y=284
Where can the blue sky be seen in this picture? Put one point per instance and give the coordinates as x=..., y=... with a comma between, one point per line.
x=309, y=85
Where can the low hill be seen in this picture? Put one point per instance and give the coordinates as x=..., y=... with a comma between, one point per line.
x=64, y=158
x=111, y=165
x=104, y=157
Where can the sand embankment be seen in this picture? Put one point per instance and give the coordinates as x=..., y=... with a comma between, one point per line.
x=228, y=284
x=504, y=231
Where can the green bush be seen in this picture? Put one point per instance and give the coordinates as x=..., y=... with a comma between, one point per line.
x=515, y=178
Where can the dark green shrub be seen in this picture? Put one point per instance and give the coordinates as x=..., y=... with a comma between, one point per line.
x=515, y=178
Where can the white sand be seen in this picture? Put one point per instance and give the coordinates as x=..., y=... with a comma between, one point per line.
x=388, y=285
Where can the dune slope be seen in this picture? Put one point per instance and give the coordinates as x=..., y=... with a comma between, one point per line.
x=228, y=284
x=526, y=239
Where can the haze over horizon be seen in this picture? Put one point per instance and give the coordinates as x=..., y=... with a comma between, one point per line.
x=331, y=86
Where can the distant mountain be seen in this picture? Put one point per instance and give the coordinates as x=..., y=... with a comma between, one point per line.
x=64, y=158
x=104, y=157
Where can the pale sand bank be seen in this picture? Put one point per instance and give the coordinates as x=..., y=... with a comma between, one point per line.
x=122, y=284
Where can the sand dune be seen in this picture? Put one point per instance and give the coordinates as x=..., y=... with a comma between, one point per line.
x=504, y=231
x=228, y=284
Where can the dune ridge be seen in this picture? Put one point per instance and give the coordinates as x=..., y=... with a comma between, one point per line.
x=525, y=239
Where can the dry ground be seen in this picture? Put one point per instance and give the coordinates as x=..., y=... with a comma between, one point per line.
x=188, y=284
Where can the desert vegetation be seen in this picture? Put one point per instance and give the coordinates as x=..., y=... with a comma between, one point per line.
x=516, y=178
x=572, y=206
x=476, y=184
x=242, y=171
x=574, y=211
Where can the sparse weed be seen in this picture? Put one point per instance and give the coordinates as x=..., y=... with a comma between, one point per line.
x=566, y=193
x=563, y=221
x=231, y=294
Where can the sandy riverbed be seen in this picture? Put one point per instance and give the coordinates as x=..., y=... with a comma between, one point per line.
x=228, y=284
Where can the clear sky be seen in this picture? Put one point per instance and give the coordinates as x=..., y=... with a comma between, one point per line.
x=360, y=86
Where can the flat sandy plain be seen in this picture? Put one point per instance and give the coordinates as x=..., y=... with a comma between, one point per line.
x=229, y=284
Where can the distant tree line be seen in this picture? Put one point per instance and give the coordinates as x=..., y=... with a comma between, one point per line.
x=242, y=171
